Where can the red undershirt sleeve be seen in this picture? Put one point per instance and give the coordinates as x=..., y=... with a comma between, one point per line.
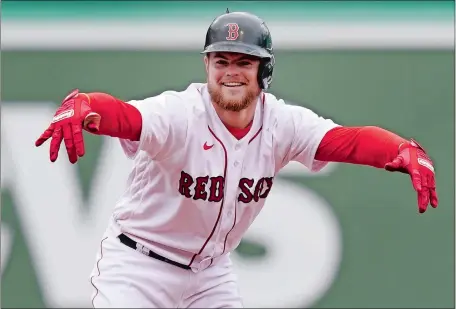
x=118, y=118
x=367, y=145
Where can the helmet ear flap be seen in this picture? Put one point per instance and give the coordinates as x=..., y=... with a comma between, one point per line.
x=265, y=71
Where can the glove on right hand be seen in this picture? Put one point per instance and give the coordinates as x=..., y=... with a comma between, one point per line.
x=70, y=118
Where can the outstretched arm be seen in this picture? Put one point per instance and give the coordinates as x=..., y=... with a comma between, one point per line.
x=156, y=125
x=377, y=147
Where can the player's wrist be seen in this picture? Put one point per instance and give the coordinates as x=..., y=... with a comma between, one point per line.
x=404, y=145
x=410, y=144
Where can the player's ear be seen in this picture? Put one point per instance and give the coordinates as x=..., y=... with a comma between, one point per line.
x=206, y=63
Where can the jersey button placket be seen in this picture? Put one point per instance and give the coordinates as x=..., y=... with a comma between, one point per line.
x=228, y=212
x=238, y=155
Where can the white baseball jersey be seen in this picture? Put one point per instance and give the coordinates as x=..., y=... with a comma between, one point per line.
x=195, y=189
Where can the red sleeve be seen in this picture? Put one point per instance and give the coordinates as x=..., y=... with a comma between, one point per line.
x=367, y=145
x=118, y=119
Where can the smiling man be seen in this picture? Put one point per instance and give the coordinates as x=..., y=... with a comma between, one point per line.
x=205, y=159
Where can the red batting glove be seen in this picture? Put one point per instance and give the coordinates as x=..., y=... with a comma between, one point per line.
x=67, y=124
x=413, y=160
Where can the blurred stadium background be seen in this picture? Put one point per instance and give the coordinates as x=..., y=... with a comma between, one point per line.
x=348, y=236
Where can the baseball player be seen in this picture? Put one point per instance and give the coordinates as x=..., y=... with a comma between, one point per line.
x=205, y=159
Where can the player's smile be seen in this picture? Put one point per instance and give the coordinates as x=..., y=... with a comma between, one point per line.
x=233, y=85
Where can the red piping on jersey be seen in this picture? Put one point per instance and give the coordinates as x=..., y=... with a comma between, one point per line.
x=98, y=268
x=261, y=128
x=234, y=223
x=256, y=134
x=223, y=200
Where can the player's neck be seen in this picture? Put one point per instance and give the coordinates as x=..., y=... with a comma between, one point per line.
x=238, y=120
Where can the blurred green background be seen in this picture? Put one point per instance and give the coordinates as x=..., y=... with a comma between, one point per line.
x=392, y=257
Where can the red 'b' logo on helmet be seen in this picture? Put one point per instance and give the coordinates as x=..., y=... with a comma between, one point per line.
x=233, y=32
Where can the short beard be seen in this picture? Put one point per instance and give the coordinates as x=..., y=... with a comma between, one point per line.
x=231, y=105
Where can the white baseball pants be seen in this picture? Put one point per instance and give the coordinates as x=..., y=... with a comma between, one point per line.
x=125, y=278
